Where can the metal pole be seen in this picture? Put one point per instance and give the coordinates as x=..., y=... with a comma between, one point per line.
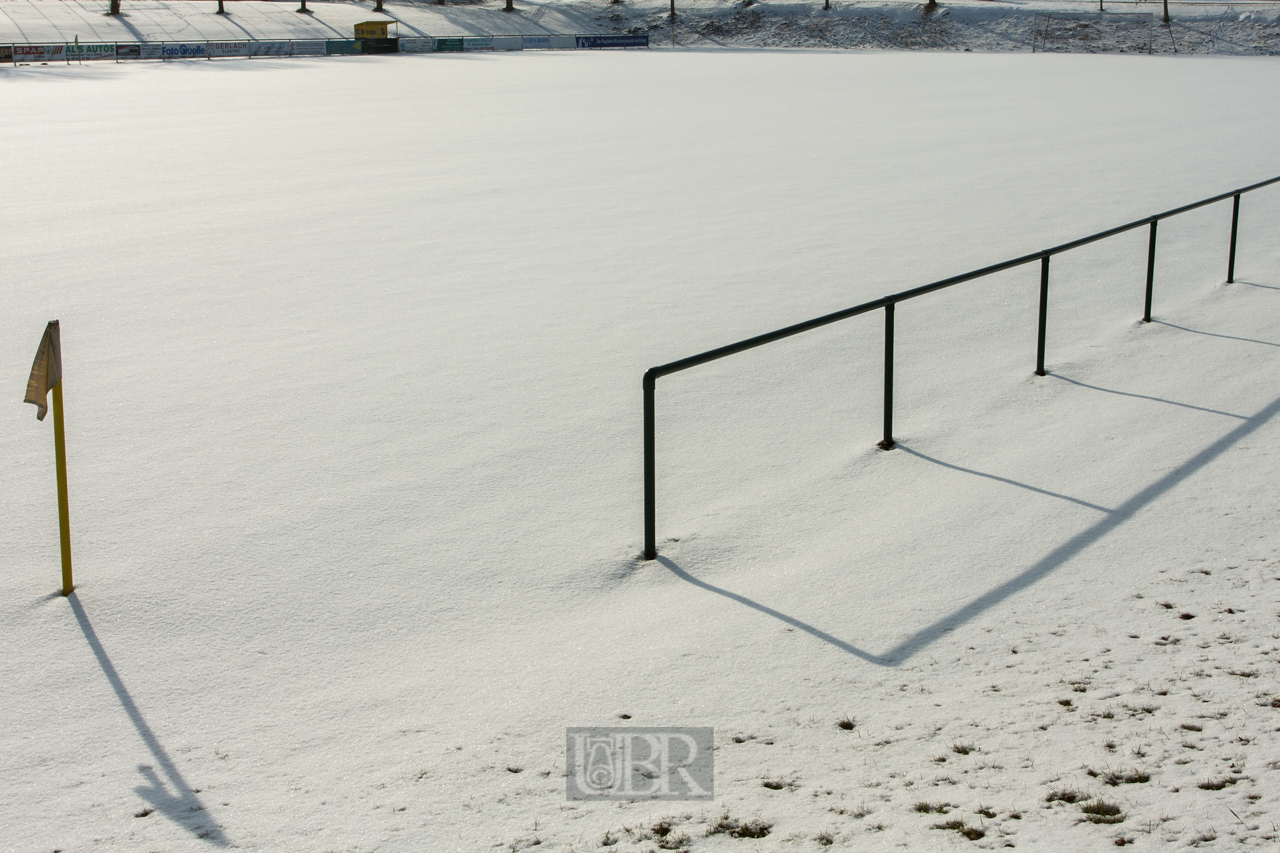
x=1044, y=312
x=650, y=489
x=1151, y=270
x=887, y=442
x=1231, y=256
x=64, y=514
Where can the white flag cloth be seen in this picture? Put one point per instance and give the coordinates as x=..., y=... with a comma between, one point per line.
x=47, y=370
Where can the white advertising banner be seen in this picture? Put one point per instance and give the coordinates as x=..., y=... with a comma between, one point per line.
x=185, y=50
x=63, y=52
x=535, y=42
x=415, y=45
x=39, y=52
x=228, y=48
x=508, y=42
x=562, y=42
x=91, y=51
x=477, y=43
x=308, y=48
x=268, y=48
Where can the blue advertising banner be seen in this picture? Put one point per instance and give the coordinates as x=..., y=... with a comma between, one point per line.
x=613, y=41
x=341, y=47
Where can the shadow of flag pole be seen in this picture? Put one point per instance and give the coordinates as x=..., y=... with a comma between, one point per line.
x=46, y=376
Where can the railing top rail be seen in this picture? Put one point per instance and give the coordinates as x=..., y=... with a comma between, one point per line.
x=652, y=374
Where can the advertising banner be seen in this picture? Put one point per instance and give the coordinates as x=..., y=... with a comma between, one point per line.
x=535, y=42
x=341, y=47
x=268, y=48
x=477, y=43
x=415, y=45
x=562, y=42
x=592, y=42
x=448, y=45
x=39, y=52
x=87, y=52
x=507, y=43
x=185, y=50
x=128, y=51
x=6, y=53
x=308, y=48
x=228, y=48
x=374, y=45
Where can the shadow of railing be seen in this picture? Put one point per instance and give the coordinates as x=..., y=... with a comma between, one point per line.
x=1146, y=396
x=999, y=479
x=171, y=795
x=1060, y=555
x=1216, y=334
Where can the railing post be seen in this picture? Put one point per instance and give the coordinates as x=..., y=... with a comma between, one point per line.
x=1151, y=270
x=887, y=442
x=1231, y=255
x=1044, y=313
x=650, y=489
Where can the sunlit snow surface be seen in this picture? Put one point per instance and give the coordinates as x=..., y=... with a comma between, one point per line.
x=352, y=362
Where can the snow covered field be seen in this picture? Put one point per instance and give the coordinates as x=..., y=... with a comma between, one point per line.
x=352, y=365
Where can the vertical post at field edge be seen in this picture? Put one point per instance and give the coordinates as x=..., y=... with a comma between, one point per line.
x=64, y=513
x=1151, y=270
x=1231, y=256
x=650, y=489
x=887, y=442
x=1044, y=312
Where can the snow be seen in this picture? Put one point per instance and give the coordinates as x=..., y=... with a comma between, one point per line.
x=352, y=358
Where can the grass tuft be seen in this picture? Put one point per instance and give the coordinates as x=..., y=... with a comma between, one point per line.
x=1217, y=784
x=932, y=808
x=735, y=828
x=1100, y=811
x=972, y=833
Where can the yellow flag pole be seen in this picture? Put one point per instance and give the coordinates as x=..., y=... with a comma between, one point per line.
x=64, y=513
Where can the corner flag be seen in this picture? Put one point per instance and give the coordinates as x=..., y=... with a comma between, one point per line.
x=46, y=376
x=46, y=373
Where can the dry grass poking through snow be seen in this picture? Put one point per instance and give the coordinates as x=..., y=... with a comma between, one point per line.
x=1060, y=746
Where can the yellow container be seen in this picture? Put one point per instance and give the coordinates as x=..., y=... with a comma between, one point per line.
x=371, y=30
